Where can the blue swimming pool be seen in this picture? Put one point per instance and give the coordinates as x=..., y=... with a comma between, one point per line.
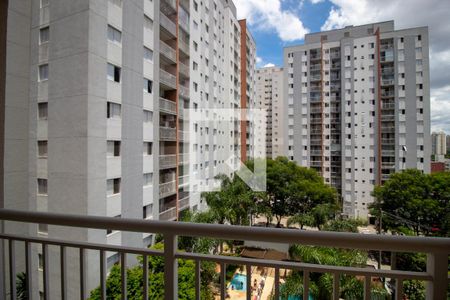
x=239, y=282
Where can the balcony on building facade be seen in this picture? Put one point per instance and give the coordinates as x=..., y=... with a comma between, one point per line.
x=388, y=105
x=315, y=77
x=167, y=51
x=335, y=66
x=183, y=136
x=315, y=67
x=183, y=46
x=168, y=6
x=167, y=79
x=335, y=87
x=316, y=56
x=168, y=24
x=387, y=80
x=167, y=189
x=183, y=203
x=435, y=276
x=315, y=163
x=167, y=106
x=184, y=91
x=183, y=158
x=390, y=141
x=315, y=152
x=315, y=98
x=388, y=117
x=183, y=180
x=167, y=133
x=387, y=93
x=167, y=161
x=315, y=120
x=168, y=214
x=335, y=54
x=387, y=152
x=184, y=69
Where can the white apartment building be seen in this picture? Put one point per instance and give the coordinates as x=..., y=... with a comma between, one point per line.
x=357, y=102
x=439, y=145
x=269, y=96
x=95, y=100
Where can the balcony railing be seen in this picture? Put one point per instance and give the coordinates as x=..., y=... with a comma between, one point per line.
x=182, y=180
x=167, y=189
x=167, y=78
x=167, y=133
x=183, y=135
x=183, y=158
x=184, y=69
x=167, y=161
x=167, y=24
x=168, y=215
x=167, y=106
x=436, y=249
x=184, y=92
x=183, y=203
x=184, y=46
x=167, y=51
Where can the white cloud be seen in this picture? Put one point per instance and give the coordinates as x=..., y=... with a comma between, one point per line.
x=268, y=65
x=316, y=1
x=411, y=13
x=440, y=109
x=259, y=60
x=268, y=15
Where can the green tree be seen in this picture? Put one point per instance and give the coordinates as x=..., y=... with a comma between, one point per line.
x=232, y=203
x=345, y=225
x=415, y=202
x=21, y=286
x=350, y=286
x=294, y=190
x=186, y=280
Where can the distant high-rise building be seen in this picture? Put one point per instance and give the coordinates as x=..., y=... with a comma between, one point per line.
x=358, y=107
x=95, y=101
x=269, y=97
x=438, y=145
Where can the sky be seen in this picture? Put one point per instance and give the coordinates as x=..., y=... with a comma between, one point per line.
x=279, y=23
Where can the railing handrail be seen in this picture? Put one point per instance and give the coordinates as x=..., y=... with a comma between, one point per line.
x=277, y=235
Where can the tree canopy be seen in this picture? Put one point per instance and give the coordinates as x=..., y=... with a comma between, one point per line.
x=413, y=202
x=186, y=280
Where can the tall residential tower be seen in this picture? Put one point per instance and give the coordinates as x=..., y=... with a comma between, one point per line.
x=357, y=102
x=96, y=105
x=269, y=97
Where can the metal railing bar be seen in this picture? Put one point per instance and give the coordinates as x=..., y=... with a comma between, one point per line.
x=82, y=274
x=197, y=279
x=28, y=267
x=90, y=246
x=12, y=269
x=170, y=267
x=123, y=275
x=277, y=283
x=145, y=276
x=63, y=261
x=248, y=292
x=103, y=275
x=306, y=266
x=330, y=239
x=305, y=285
x=336, y=277
x=46, y=289
x=222, y=281
x=399, y=289
x=367, y=282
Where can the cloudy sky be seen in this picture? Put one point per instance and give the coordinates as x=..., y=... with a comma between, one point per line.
x=279, y=23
